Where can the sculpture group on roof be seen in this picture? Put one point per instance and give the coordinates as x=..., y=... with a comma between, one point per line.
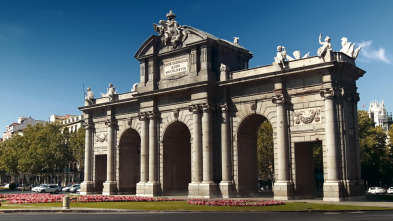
x=170, y=31
x=347, y=48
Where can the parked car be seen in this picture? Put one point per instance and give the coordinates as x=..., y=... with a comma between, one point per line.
x=376, y=190
x=75, y=188
x=47, y=188
x=34, y=188
x=390, y=190
x=379, y=190
x=66, y=188
x=371, y=190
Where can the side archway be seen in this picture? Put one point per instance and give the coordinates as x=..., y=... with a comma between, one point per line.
x=129, y=161
x=247, y=167
x=176, y=159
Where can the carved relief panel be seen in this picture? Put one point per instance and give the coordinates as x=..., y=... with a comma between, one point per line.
x=307, y=116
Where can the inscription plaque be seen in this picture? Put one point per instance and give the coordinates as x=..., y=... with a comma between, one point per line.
x=176, y=66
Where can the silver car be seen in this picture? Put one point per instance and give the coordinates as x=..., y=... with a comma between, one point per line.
x=47, y=188
x=74, y=188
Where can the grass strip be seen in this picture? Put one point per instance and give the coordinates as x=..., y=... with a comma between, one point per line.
x=182, y=205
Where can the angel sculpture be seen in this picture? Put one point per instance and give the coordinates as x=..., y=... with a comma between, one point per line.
x=89, y=96
x=326, y=46
x=349, y=49
x=281, y=56
x=110, y=92
x=170, y=31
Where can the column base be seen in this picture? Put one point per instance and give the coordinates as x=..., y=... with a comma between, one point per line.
x=109, y=188
x=87, y=188
x=148, y=189
x=227, y=189
x=283, y=191
x=333, y=191
x=202, y=190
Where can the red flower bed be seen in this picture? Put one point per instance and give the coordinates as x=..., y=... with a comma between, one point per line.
x=31, y=198
x=49, y=198
x=212, y=202
x=52, y=198
x=101, y=198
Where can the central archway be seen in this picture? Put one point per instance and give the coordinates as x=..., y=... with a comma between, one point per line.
x=129, y=161
x=176, y=159
x=247, y=169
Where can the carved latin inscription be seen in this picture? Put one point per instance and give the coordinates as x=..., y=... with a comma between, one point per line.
x=177, y=66
x=307, y=116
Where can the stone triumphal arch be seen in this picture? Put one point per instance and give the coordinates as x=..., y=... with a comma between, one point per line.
x=190, y=126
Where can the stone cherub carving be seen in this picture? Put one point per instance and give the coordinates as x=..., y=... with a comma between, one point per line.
x=110, y=92
x=89, y=96
x=349, y=49
x=281, y=56
x=170, y=31
x=326, y=46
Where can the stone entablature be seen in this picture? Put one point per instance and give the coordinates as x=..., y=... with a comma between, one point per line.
x=190, y=125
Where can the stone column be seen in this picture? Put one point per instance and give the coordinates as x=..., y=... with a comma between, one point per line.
x=144, y=169
x=152, y=187
x=196, y=153
x=196, y=156
x=225, y=146
x=356, y=99
x=332, y=186
x=208, y=187
x=226, y=184
x=330, y=134
x=282, y=186
x=207, y=151
x=153, y=166
x=87, y=184
x=355, y=186
x=110, y=184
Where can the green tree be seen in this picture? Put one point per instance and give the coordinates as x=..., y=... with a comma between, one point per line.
x=373, y=151
x=77, y=146
x=265, y=152
x=10, y=154
x=41, y=149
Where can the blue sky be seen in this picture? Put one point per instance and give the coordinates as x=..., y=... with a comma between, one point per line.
x=49, y=49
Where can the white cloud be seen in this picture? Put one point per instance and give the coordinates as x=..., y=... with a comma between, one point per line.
x=368, y=53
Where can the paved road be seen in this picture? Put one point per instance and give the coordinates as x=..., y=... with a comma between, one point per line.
x=198, y=216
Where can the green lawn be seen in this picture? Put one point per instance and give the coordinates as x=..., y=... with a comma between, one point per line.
x=182, y=205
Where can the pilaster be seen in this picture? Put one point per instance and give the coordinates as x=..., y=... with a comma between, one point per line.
x=332, y=187
x=283, y=189
x=87, y=186
x=110, y=184
x=226, y=185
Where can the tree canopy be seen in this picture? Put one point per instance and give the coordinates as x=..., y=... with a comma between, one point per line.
x=374, y=152
x=45, y=148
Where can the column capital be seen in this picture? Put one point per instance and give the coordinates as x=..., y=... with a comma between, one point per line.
x=111, y=122
x=88, y=125
x=224, y=107
x=194, y=108
x=279, y=99
x=328, y=93
x=206, y=107
x=143, y=116
x=153, y=114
